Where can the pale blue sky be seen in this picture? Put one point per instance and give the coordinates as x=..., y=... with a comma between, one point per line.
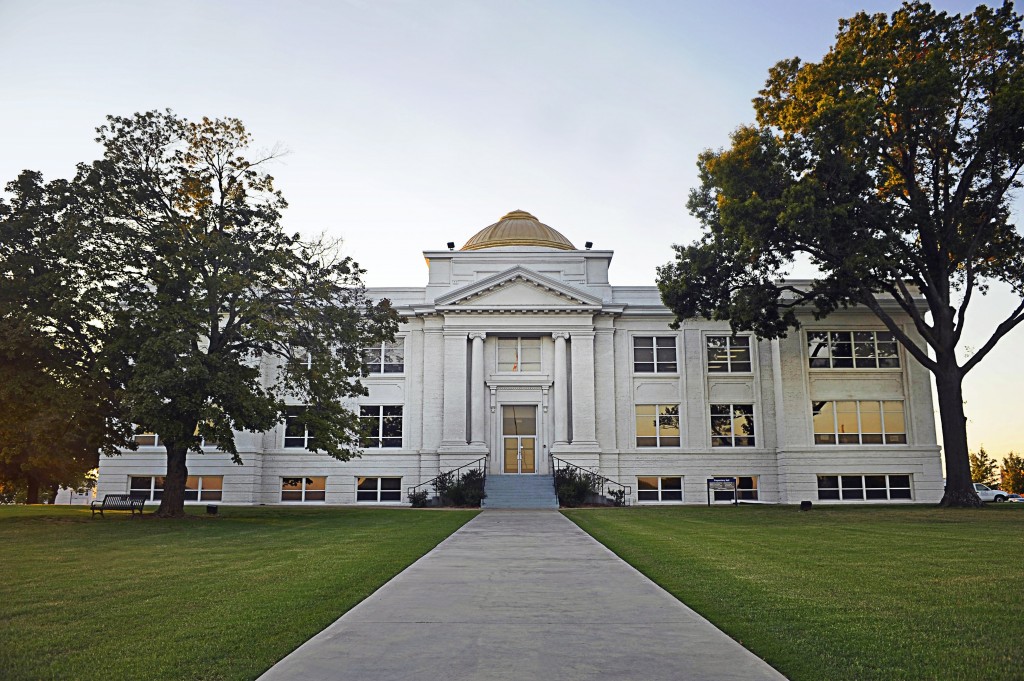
x=410, y=124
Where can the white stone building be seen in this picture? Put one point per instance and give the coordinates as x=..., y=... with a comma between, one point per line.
x=519, y=349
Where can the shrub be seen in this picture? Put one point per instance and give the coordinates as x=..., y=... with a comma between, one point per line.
x=467, y=490
x=418, y=499
x=574, y=485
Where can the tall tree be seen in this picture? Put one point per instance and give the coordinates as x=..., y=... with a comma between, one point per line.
x=212, y=292
x=1012, y=473
x=58, y=402
x=984, y=468
x=890, y=165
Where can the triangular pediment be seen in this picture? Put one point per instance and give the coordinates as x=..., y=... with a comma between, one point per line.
x=518, y=288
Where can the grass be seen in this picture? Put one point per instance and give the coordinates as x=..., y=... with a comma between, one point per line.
x=839, y=592
x=204, y=598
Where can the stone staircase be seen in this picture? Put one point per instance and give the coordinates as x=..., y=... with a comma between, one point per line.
x=520, y=491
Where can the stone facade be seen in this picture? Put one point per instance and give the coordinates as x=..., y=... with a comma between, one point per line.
x=528, y=336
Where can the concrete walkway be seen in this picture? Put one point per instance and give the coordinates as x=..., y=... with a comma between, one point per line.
x=523, y=595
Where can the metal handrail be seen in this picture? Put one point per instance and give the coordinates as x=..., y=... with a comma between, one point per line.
x=476, y=464
x=606, y=483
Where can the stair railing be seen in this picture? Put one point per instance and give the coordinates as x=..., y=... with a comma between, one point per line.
x=455, y=473
x=618, y=493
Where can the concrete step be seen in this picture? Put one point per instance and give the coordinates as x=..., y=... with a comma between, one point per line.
x=520, y=491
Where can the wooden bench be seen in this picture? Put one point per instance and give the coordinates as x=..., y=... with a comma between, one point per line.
x=118, y=502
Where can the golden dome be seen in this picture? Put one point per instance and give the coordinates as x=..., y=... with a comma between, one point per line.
x=518, y=228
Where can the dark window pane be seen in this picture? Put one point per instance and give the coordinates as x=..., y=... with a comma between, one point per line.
x=366, y=496
x=392, y=410
x=669, y=442
x=717, y=367
x=741, y=367
x=391, y=442
x=899, y=494
x=871, y=438
x=214, y=495
x=671, y=483
x=287, y=495
x=671, y=495
x=897, y=439
x=744, y=442
x=849, y=439
x=667, y=367
x=853, y=493
x=647, y=495
x=828, y=493
x=316, y=495
x=391, y=483
x=874, y=481
x=877, y=494
x=721, y=441
x=643, y=341
x=899, y=481
x=643, y=354
x=719, y=409
x=643, y=367
x=851, y=481
x=828, y=481
x=390, y=496
x=667, y=342
x=191, y=495
x=824, y=439
x=647, y=442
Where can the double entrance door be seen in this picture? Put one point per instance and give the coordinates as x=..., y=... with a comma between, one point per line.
x=519, y=438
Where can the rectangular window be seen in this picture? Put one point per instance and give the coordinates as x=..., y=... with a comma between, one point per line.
x=746, y=489
x=304, y=489
x=728, y=354
x=386, y=358
x=301, y=358
x=863, y=487
x=659, y=489
x=148, y=487
x=519, y=355
x=860, y=422
x=204, y=487
x=378, y=489
x=654, y=354
x=296, y=433
x=382, y=425
x=657, y=425
x=147, y=439
x=732, y=425
x=852, y=350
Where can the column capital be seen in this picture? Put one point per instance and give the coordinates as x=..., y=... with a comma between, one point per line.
x=477, y=335
x=564, y=335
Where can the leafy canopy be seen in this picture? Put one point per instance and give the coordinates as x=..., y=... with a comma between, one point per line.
x=889, y=165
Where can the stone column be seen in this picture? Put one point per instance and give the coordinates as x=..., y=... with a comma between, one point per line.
x=583, y=398
x=454, y=429
x=476, y=394
x=561, y=390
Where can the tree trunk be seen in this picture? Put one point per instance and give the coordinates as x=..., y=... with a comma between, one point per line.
x=32, y=495
x=959, y=486
x=172, y=504
x=54, y=488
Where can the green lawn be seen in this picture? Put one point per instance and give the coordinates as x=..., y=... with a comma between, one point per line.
x=839, y=592
x=203, y=598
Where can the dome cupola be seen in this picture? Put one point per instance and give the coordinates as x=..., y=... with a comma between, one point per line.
x=518, y=228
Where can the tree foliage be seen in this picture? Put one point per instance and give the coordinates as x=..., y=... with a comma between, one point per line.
x=890, y=165
x=1012, y=473
x=210, y=294
x=58, y=401
x=984, y=468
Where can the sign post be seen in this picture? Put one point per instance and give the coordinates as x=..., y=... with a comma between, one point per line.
x=723, y=485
